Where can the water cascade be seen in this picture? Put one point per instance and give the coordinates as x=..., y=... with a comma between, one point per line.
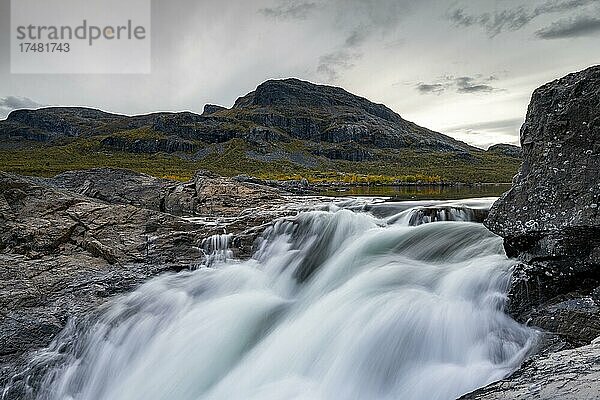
x=340, y=303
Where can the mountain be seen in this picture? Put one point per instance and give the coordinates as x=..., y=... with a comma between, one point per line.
x=283, y=126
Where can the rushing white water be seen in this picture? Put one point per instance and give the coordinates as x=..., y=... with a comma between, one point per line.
x=335, y=304
x=216, y=248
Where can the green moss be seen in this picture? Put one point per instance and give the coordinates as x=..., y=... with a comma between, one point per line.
x=230, y=159
x=47, y=160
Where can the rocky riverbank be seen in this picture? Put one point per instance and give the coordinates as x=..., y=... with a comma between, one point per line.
x=69, y=243
x=550, y=221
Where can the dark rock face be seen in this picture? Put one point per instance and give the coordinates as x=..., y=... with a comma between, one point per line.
x=330, y=114
x=297, y=93
x=348, y=153
x=61, y=121
x=150, y=146
x=212, y=108
x=550, y=218
x=552, y=210
x=550, y=221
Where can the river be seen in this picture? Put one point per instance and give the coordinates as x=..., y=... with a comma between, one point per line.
x=356, y=299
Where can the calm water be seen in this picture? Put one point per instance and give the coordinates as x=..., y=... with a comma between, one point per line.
x=422, y=192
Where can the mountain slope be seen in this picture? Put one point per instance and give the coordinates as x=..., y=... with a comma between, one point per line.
x=283, y=126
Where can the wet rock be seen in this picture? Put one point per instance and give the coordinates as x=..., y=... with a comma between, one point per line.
x=566, y=375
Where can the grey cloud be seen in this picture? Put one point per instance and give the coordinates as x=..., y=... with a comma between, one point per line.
x=289, y=11
x=462, y=84
x=356, y=37
x=14, y=102
x=582, y=25
x=512, y=124
x=460, y=18
x=560, y=6
x=512, y=19
x=330, y=64
x=493, y=23
x=467, y=84
x=358, y=20
x=427, y=88
x=10, y=103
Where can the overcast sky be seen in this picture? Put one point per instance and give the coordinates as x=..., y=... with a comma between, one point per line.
x=464, y=68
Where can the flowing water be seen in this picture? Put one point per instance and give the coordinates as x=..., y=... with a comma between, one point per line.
x=352, y=301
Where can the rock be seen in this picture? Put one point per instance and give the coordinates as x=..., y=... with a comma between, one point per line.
x=566, y=375
x=321, y=113
x=171, y=144
x=205, y=194
x=212, y=108
x=552, y=210
x=550, y=218
x=116, y=186
x=63, y=253
x=506, y=149
x=299, y=187
x=550, y=222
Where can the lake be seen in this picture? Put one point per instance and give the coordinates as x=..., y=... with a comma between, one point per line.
x=421, y=192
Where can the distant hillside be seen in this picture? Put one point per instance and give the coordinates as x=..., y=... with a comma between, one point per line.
x=285, y=128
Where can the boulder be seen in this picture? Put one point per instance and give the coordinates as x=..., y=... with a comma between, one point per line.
x=550, y=218
x=552, y=211
x=550, y=223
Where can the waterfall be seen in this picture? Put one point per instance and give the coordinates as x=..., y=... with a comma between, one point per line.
x=216, y=248
x=338, y=303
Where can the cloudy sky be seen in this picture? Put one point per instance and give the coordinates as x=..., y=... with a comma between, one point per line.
x=464, y=68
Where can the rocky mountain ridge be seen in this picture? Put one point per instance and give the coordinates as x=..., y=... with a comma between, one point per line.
x=278, y=110
x=290, y=120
